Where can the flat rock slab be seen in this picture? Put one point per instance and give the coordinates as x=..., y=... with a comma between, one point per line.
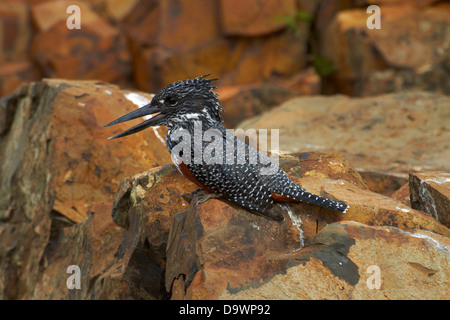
x=390, y=134
x=349, y=260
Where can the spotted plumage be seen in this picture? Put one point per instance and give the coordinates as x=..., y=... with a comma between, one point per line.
x=232, y=169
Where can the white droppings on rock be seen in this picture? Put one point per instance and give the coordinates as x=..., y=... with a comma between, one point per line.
x=140, y=101
x=296, y=221
x=403, y=209
x=428, y=200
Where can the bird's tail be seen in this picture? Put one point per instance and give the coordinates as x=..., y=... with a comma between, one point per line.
x=334, y=205
x=307, y=197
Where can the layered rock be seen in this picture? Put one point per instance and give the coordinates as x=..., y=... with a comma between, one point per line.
x=349, y=260
x=57, y=164
x=246, y=101
x=218, y=250
x=95, y=51
x=241, y=18
x=94, y=246
x=430, y=192
x=410, y=50
x=59, y=175
x=15, y=32
x=391, y=134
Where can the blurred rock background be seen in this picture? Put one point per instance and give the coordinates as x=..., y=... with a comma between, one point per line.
x=304, y=47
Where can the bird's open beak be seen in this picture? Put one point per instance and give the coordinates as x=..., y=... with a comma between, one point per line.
x=146, y=110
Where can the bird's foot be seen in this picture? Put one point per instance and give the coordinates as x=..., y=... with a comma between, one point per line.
x=199, y=196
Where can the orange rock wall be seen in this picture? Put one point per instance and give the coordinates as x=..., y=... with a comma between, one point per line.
x=147, y=44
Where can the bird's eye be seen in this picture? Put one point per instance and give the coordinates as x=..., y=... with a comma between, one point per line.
x=172, y=100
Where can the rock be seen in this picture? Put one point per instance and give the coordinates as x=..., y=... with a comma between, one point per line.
x=116, y=10
x=284, y=55
x=15, y=32
x=192, y=245
x=417, y=3
x=199, y=47
x=96, y=51
x=254, y=17
x=93, y=245
x=246, y=101
x=218, y=246
x=183, y=25
x=337, y=265
x=45, y=15
x=430, y=192
x=305, y=83
x=402, y=195
x=141, y=28
x=144, y=206
x=174, y=40
x=385, y=184
x=427, y=48
x=215, y=247
x=389, y=59
x=391, y=134
x=14, y=74
x=172, y=65
x=56, y=158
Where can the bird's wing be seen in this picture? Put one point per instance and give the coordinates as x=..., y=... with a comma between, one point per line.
x=239, y=180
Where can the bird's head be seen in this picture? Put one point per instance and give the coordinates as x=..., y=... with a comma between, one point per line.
x=181, y=101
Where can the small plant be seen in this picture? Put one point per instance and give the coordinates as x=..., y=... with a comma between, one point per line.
x=322, y=65
x=298, y=22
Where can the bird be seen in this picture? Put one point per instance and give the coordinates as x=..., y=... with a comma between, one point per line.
x=221, y=164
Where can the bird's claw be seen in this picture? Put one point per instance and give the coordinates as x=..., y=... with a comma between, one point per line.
x=199, y=196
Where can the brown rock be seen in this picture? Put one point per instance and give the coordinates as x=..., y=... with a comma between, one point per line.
x=427, y=48
x=402, y=195
x=92, y=245
x=173, y=53
x=15, y=32
x=246, y=101
x=430, y=192
x=324, y=11
x=45, y=15
x=14, y=74
x=141, y=27
x=255, y=17
x=25, y=203
x=200, y=238
x=117, y=10
x=391, y=134
x=386, y=184
x=144, y=206
x=389, y=59
x=344, y=261
x=192, y=245
x=284, y=54
x=417, y=3
x=173, y=65
x=174, y=40
x=332, y=175
x=183, y=25
x=55, y=157
x=81, y=174
x=218, y=247
x=96, y=51
x=305, y=83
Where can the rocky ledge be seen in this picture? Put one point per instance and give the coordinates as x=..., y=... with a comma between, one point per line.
x=60, y=206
